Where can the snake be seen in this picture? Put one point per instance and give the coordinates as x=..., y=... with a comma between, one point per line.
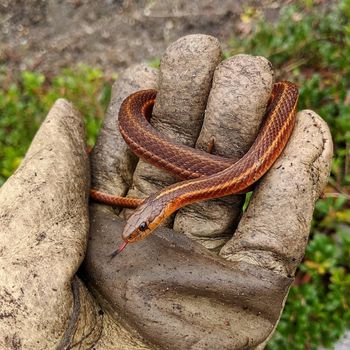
x=204, y=175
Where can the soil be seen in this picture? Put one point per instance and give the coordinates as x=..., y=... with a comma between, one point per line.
x=112, y=34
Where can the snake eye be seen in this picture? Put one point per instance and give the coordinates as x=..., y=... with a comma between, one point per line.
x=143, y=226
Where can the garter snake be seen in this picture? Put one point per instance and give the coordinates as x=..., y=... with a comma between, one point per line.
x=207, y=176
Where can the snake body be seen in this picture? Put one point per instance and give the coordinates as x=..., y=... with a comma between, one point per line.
x=208, y=176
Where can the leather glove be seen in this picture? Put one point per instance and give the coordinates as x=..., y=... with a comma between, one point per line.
x=216, y=278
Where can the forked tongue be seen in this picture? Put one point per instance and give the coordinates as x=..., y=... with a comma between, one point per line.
x=119, y=250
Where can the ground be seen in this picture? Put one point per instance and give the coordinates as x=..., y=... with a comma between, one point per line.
x=46, y=35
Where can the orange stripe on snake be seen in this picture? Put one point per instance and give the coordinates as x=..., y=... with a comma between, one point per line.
x=208, y=176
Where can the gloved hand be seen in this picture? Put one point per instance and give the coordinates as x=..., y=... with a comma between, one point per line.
x=167, y=291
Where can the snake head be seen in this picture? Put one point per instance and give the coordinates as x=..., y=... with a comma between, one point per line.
x=145, y=219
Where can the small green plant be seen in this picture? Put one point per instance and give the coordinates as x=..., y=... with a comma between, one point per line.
x=310, y=45
x=25, y=101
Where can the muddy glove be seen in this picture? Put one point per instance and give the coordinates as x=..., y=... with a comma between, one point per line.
x=168, y=291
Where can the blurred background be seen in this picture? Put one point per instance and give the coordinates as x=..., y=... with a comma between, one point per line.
x=75, y=49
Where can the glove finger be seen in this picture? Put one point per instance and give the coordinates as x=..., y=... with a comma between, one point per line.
x=239, y=94
x=112, y=162
x=186, y=73
x=44, y=225
x=274, y=230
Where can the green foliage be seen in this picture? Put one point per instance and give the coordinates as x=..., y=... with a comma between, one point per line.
x=25, y=102
x=318, y=312
x=310, y=45
x=154, y=62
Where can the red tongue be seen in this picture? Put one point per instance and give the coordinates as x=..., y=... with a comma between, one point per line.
x=119, y=250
